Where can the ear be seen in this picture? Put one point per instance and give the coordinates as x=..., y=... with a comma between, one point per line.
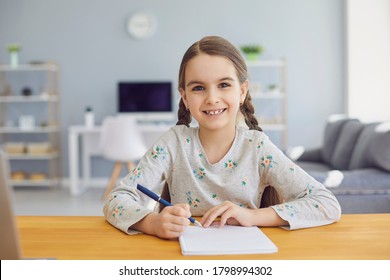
x=183, y=96
x=244, y=90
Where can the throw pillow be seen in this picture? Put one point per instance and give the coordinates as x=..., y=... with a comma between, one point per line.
x=345, y=144
x=379, y=150
x=359, y=158
x=332, y=132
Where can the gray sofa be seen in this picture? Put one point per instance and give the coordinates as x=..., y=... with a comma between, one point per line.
x=354, y=163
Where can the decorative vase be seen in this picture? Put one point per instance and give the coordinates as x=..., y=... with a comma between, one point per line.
x=252, y=56
x=89, y=118
x=14, y=59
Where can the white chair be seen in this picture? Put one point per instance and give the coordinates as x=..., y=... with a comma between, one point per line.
x=121, y=142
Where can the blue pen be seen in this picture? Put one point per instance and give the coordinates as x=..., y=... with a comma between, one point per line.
x=162, y=201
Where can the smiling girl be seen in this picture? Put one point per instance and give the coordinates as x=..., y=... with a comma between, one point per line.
x=222, y=168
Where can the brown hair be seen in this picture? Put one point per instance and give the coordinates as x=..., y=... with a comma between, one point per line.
x=214, y=45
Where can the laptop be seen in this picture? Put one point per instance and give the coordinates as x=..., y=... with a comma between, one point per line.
x=9, y=236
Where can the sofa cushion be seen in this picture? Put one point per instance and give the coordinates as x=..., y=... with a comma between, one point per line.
x=379, y=149
x=331, y=134
x=366, y=181
x=359, y=158
x=345, y=145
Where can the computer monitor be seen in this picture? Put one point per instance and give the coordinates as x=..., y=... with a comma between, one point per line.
x=147, y=100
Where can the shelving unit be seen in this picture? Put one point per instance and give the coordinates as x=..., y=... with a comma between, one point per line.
x=270, y=104
x=31, y=91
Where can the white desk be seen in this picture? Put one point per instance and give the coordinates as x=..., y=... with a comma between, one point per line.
x=90, y=147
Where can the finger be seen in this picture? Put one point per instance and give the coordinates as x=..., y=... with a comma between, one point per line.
x=182, y=221
x=171, y=216
x=172, y=226
x=232, y=222
x=229, y=213
x=185, y=206
x=175, y=228
x=213, y=214
x=179, y=210
x=229, y=222
x=215, y=224
x=205, y=221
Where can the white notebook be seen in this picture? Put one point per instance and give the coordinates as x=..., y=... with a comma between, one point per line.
x=227, y=240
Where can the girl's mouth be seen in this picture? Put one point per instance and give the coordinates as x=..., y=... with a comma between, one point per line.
x=214, y=112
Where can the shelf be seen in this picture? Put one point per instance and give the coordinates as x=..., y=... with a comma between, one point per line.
x=47, y=129
x=270, y=102
x=32, y=119
x=30, y=67
x=32, y=156
x=32, y=98
x=34, y=183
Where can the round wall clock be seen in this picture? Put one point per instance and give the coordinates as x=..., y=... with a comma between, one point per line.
x=141, y=25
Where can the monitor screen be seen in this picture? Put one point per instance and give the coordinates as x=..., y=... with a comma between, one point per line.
x=144, y=97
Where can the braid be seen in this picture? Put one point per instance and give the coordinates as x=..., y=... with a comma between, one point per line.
x=270, y=195
x=248, y=111
x=183, y=116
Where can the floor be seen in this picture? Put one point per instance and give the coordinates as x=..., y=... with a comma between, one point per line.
x=57, y=202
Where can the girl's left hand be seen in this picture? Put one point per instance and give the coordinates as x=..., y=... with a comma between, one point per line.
x=230, y=214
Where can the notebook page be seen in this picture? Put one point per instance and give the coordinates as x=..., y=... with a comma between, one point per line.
x=225, y=241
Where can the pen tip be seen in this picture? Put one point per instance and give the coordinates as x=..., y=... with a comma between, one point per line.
x=198, y=224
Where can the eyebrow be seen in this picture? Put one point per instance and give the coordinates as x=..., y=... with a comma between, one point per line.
x=198, y=82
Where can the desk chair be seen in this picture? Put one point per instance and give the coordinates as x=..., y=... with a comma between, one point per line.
x=121, y=142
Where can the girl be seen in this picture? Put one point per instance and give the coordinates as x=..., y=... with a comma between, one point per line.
x=221, y=168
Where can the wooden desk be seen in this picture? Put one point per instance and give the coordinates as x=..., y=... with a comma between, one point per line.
x=354, y=237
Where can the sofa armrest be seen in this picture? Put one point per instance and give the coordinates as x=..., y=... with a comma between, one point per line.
x=312, y=155
x=301, y=154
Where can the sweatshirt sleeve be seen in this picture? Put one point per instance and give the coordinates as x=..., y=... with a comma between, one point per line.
x=306, y=202
x=125, y=205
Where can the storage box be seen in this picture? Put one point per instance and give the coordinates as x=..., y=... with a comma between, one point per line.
x=38, y=148
x=37, y=176
x=18, y=175
x=14, y=147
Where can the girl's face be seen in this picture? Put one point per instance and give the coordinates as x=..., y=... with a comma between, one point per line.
x=213, y=92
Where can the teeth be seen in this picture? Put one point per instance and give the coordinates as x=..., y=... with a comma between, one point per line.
x=215, y=112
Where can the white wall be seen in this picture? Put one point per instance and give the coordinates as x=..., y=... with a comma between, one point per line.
x=368, y=59
x=89, y=40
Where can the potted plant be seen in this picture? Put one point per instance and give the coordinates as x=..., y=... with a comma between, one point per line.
x=273, y=89
x=14, y=50
x=252, y=52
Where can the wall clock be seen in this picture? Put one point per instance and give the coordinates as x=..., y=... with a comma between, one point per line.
x=141, y=25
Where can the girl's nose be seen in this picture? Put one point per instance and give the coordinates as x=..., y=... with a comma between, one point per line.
x=212, y=97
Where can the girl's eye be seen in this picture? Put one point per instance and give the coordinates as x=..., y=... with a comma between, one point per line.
x=197, y=88
x=224, y=85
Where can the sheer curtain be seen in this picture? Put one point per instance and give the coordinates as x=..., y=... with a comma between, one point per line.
x=368, y=59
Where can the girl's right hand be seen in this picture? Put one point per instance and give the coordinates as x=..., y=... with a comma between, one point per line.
x=171, y=221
